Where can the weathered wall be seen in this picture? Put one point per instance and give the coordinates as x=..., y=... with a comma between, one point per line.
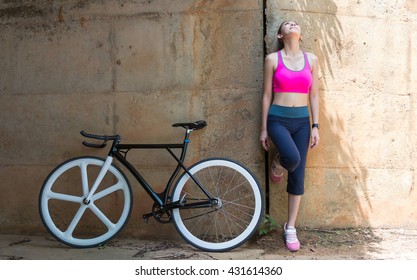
x=136, y=67
x=127, y=67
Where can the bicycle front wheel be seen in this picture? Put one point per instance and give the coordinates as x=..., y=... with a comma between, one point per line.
x=76, y=223
x=230, y=221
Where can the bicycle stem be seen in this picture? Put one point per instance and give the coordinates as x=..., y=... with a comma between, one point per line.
x=99, y=178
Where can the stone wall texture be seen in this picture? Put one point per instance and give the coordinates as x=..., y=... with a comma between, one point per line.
x=136, y=67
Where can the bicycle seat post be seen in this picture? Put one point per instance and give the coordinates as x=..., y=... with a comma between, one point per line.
x=189, y=127
x=185, y=144
x=187, y=135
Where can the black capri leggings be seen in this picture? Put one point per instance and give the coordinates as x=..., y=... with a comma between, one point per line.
x=291, y=137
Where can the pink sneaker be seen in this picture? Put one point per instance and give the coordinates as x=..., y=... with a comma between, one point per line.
x=291, y=240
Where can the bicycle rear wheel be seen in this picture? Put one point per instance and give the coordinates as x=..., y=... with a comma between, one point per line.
x=236, y=215
x=69, y=219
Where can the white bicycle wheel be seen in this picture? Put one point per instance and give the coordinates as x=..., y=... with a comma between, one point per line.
x=236, y=215
x=75, y=223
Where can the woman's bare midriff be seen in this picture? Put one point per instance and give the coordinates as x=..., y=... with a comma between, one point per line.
x=290, y=99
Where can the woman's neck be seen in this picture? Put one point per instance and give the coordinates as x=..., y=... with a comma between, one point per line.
x=292, y=46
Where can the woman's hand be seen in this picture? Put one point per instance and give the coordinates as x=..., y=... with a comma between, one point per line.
x=264, y=140
x=315, y=137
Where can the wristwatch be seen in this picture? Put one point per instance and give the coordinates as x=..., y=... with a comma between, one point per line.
x=315, y=125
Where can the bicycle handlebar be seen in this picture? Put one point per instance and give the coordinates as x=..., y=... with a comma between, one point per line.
x=91, y=145
x=104, y=138
x=189, y=126
x=98, y=137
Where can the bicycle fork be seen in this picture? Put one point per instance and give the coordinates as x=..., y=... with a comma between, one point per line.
x=98, y=180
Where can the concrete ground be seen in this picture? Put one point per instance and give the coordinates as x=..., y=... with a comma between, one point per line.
x=385, y=244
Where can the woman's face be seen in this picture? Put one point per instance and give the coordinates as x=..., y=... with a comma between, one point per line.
x=289, y=27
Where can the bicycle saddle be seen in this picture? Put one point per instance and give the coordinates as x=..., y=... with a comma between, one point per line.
x=193, y=126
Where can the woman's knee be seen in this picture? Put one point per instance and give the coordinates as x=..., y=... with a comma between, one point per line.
x=291, y=162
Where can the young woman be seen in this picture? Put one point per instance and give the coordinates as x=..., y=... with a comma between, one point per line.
x=290, y=83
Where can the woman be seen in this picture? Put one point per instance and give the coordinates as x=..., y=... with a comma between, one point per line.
x=290, y=83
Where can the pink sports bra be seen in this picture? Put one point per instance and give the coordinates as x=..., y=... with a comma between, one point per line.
x=287, y=80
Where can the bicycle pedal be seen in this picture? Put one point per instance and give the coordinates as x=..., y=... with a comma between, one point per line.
x=146, y=217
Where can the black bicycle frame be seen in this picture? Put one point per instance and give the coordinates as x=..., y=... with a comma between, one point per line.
x=160, y=199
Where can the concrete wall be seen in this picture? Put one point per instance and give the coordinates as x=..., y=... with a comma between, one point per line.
x=127, y=67
x=364, y=172
x=136, y=67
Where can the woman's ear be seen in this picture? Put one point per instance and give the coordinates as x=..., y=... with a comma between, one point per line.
x=280, y=36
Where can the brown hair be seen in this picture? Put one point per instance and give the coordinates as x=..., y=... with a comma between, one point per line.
x=280, y=41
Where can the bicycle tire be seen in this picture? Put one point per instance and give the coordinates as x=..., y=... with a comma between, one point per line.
x=74, y=223
x=228, y=225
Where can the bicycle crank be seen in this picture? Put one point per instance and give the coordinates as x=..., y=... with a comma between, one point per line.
x=159, y=213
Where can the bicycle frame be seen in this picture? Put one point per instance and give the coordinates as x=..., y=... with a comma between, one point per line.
x=161, y=199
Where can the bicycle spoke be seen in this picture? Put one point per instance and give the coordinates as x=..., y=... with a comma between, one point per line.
x=75, y=221
x=234, y=219
x=234, y=188
x=215, y=230
x=199, y=215
x=108, y=191
x=196, y=223
x=239, y=209
x=216, y=185
x=232, y=224
x=204, y=237
x=222, y=230
x=102, y=217
x=64, y=197
x=230, y=183
x=241, y=205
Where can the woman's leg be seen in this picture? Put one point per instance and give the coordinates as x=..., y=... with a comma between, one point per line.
x=290, y=233
x=295, y=188
x=301, y=139
x=293, y=207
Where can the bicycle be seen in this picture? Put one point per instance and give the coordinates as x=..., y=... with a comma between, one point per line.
x=216, y=204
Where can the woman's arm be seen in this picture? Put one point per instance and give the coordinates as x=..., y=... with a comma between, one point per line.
x=314, y=100
x=266, y=98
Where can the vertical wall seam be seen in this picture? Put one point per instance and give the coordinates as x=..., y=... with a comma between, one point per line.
x=267, y=200
x=112, y=39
